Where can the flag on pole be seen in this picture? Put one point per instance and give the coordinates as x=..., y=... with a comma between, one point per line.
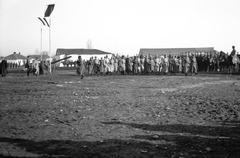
x=41, y=21
x=49, y=10
x=46, y=22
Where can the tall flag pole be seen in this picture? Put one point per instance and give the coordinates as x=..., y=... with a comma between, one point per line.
x=47, y=13
x=41, y=43
x=42, y=23
x=50, y=44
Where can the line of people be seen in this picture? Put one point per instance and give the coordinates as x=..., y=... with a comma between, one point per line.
x=36, y=67
x=187, y=63
x=137, y=65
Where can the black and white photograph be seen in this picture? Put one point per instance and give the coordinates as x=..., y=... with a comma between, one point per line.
x=120, y=78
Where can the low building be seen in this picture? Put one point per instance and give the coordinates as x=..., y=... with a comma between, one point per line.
x=39, y=57
x=86, y=54
x=173, y=51
x=15, y=58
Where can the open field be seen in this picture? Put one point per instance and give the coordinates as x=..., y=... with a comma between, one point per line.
x=61, y=115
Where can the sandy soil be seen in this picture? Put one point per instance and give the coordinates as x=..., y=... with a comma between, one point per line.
x=119, y=116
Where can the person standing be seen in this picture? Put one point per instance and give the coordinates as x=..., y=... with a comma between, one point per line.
x=28, y=65
x=166, y=64
x=152, y=64
x=128, y=65
x=101, y=66
x=146, y=65
x=96, y=66
x=4, y=67
x=180, y=64
x=36, y=67
x=90, y=66
x=115, y=64
x=141, y=64
x=233, y=51
x=121, y=64
x=157, y=63
x=80, y=67
x=135, y=66
x=193, y=64
x=187, y=64
x=111, y=64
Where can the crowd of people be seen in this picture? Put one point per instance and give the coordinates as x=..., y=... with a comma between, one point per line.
x=37, y=67
x=186, y=63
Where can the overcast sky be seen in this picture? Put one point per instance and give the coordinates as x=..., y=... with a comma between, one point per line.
x=120, y=26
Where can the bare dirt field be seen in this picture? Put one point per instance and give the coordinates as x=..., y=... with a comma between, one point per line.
x=61, y=115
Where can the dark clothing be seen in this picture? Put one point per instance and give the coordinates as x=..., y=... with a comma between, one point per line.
x=135, y=66
x=28, y=66
x=128, y=65
x=233, y=52
x=3, y=68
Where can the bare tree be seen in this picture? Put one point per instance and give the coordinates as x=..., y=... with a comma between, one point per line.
x=45, y=53
x=37, y=52
x=89, y=44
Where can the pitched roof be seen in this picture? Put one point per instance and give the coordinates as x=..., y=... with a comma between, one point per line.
x=15, y=56
x=173, y=51
x=80, y=52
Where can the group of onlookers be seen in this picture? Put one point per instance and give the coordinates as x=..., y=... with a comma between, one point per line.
x=142, y=64
x=36, y=67
x=186, y=63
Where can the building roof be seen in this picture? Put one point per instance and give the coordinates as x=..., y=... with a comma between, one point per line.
x=80, y=52
x=173, y=51
x=15, y=56
x=44, y=57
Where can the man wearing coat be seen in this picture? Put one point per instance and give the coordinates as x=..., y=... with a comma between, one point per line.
x=3, y=66
x=80, y=67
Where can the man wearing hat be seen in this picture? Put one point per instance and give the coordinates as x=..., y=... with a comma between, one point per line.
x=80, y=67
x=3, y=67
x=233, y=51
x=193, y=64
x=28, y=65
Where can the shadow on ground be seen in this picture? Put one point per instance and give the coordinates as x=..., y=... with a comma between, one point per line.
x=176, y=141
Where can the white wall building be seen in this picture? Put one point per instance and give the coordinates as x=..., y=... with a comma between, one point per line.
x=16, y=58
x=86, y=54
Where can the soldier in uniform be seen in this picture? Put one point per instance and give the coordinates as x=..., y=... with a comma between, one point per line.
x=90, y=66
x=187, y=64
x=3, y=66
x=152, y=64
x=193, y=64
x=233, y=51
x=36, y=67
x=80, y=67
x=121, y=64
x=166, y=64
x=180, y=64
x=95, y=65
x=146, y=65
x=28, y=65
x=157, y=64
x=101, y=66
x=128, y=65
x=115, y=64
x=135, y=65
x=141, y=64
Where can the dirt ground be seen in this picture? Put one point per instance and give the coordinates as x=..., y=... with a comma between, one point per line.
x=61, y=115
